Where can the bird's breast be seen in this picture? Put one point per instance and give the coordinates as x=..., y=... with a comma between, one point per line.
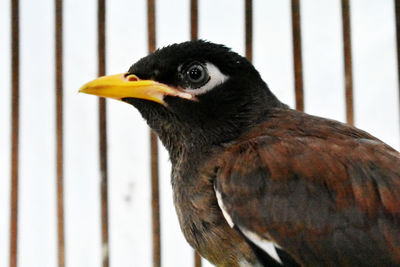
x=201, y=219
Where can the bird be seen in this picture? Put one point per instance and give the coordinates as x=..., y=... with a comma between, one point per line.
x=255, y=182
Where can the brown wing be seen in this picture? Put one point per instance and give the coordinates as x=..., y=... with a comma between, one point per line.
x=326, y=201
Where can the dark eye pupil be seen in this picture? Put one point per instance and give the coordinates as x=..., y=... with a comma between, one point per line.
x=195, y=73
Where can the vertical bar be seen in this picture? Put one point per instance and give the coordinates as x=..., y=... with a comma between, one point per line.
x=194, y=28
x=298, y=65
x=194, y=35
x=197, y=259
x=347, y=61
x=59, y=131
x=101, y=15
x=249, y=29
x=397, y=11
x=155, y=199
x=14, y=130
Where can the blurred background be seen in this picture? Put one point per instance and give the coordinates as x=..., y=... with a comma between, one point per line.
x=376, y=110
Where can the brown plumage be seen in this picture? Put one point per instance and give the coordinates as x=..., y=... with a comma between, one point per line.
x=324, y=191
x=256, y=183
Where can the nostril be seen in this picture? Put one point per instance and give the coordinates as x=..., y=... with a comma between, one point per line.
x=132, y=78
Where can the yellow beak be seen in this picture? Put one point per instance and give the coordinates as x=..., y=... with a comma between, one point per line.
x=124, y=86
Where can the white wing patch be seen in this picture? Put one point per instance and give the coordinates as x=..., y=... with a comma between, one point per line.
x=268, y=246
x=216, y=78
x=222, y=207
x=245, y=263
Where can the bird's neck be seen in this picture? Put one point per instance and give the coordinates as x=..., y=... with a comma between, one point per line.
x=184, y=136
x=183, y=139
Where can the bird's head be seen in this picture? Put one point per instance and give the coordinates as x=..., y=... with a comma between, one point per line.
x=193, y=93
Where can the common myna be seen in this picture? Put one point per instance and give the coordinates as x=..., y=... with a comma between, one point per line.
x=256, y=183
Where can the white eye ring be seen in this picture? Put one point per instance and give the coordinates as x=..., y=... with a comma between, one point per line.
x=216, y=78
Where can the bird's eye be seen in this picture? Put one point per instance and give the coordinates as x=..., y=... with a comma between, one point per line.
x=197, y=75
x=198, y=78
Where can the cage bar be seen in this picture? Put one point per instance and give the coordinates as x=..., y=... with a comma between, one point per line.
x=155, y=196
x=155, y=200
x=14, y=131
x=194, y=14
x=397, y=11
x=347, y=61
x=194, y=36
x=194, y=33
x=249, y=29
x=101, y=35
x=197, y=259
x=59, y=132
x=297, y=58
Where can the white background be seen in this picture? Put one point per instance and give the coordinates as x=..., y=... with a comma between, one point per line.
x=375, y=101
